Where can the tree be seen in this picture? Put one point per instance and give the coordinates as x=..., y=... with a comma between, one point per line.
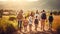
x=59, y=13
x=55, y=12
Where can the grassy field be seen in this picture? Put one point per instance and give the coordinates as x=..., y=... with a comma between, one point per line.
x=56, y=22
x=5, y=21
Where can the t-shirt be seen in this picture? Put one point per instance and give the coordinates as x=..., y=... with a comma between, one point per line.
x=25, y=22
x=38, y=17
x=30, y=20
x=20, y=16
x=50, y=18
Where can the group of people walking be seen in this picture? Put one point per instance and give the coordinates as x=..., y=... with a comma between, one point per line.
x=42, y=17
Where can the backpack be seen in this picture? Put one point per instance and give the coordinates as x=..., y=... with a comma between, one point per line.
x=43, y=16
x=36, y=21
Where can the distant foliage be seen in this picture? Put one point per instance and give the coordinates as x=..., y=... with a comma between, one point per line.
x=56, y=12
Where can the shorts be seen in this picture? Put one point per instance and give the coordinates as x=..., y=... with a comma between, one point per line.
x=36, y=22
x=50, y=23
x=20, y=24
x=43, y=22
x=30, y=24
x=25, y=25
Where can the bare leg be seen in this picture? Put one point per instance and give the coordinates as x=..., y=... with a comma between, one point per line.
x=30, y=26
x=43, y=26
x=36, y=27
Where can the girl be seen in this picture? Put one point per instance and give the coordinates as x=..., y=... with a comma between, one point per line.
x=20, y=18
x=25, y=23
x=30, y=22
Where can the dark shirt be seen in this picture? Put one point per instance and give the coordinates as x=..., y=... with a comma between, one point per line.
x=36, y=21
x=50, y=18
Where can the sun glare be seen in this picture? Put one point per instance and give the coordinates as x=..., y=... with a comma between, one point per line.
x=20, y=0
x=3, y=0
x=31, y=0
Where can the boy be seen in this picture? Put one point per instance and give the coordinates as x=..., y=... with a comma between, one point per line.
x=50, y=21
x=36, y=23
x=43, y=19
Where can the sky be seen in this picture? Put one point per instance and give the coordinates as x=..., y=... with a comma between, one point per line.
x=28, y=4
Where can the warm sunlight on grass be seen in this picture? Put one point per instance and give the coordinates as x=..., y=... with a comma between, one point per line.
x=56, y=22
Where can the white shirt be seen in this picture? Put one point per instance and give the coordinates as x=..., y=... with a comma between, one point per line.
x=30, y=20
x=38, y=16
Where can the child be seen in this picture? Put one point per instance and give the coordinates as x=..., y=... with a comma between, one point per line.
x=36, y=23
x=43, y=19
x=20, y=18
x=30, y=22
x=25, y=23
x=50, y=21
